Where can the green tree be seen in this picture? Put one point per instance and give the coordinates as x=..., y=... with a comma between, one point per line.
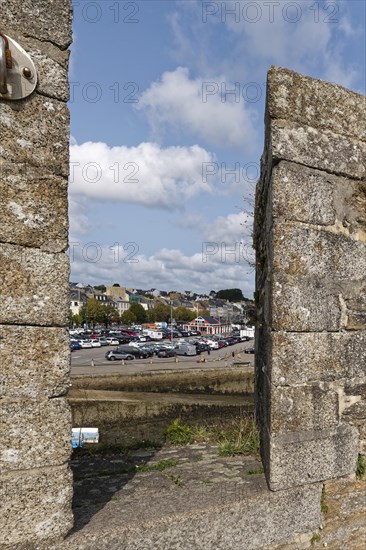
x=231, y=294
x=160, y=313
x=128, y=317
x=109, y=315
x=151, y=317
x=77, y=320
x=139, y=312
x=92, y=313
x=184, y=314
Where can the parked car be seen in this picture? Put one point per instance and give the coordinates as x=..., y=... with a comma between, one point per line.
x=115, y=355
x=135, y=351
x=103, y=341
x=112, y=341
x=185, y=349
x=166, y=353
x=202, y=347
x=144, y=338
x=86, y=343
x=249, y=350
x=75, y=345
x=96, y=344
x=213, y=344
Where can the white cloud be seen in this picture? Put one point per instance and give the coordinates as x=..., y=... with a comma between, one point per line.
x=302, y=36
x=166, y=269
x=198, y=107
x=281, y=33
x=234, y=228
x=78, y=219
x=306, y=36
x=147, y=174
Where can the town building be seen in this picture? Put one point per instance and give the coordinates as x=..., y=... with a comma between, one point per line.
x=208, y=325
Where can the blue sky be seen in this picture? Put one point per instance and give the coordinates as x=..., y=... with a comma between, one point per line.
x=167, y=102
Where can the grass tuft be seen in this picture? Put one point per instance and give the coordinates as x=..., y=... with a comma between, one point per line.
x=315, y=538
x=157, y=467
x=323, y=506
x=177, y=480
x=254, y=472
x=178, y=434
x=361, y=467
x=235, y=437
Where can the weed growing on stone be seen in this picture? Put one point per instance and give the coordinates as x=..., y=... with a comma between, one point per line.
x=229, y=448
x=254, y=472
x=241, y=438
x=178, y=434
x=323, y=506
x=235, y=437
x=177, y=480
x=315, y=538
x=361, y=467
x=201, y=433
x=157, y=467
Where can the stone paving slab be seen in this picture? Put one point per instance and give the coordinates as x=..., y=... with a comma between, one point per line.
x=103, y=484
x=200, y=500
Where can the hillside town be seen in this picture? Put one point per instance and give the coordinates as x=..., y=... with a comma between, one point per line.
x=116, y=305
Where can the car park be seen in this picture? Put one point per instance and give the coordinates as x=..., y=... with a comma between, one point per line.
x=116, y=355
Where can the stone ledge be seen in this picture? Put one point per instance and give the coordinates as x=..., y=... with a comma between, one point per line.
x=301, y=250
x=35, y=131
x=49, y=21
x=307, y=407
x=300, y=358
x=315, y=102
x=35, y=361
x=34, y=433
x=305, y=305
x=299, y=458
x=321, y=149
x=35, y=507
x=34, y=287
x=311, y=196
x=34, y=207
x=230, y=510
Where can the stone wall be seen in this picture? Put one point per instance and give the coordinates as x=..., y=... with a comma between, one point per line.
x=310, y=239
x=35, y=480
